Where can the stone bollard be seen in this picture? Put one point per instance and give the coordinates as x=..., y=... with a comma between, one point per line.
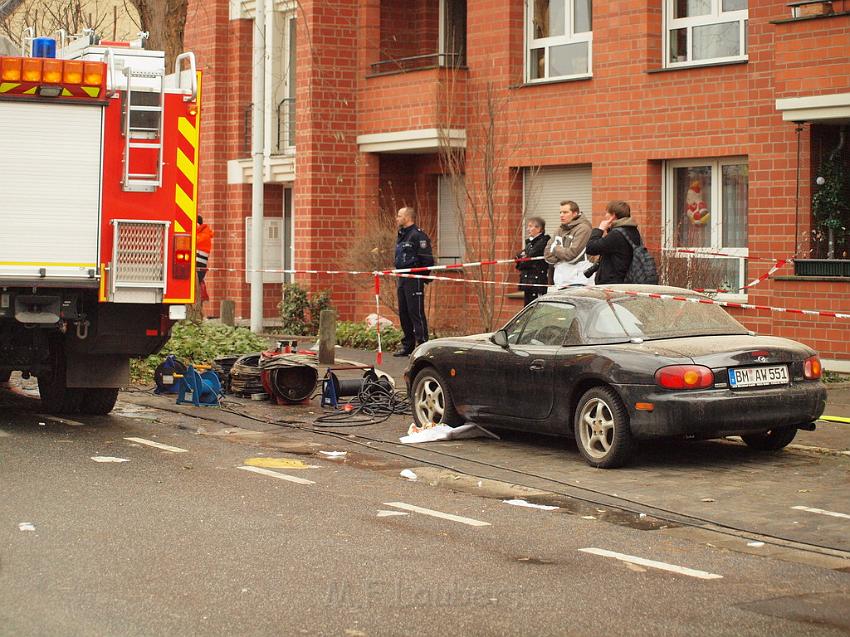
x=327, y=337
x=227, y=312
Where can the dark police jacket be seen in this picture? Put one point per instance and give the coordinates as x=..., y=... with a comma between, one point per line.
x=533, y=271
x=413, y=249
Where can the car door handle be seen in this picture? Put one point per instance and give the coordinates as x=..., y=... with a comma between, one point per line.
x=537, y=364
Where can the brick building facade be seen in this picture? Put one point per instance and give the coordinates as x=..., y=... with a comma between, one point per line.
x=730, y=107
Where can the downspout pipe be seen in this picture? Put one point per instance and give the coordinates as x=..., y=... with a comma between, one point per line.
x=258, y=84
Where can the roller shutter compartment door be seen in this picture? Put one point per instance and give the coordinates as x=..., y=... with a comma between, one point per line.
x=50, y=183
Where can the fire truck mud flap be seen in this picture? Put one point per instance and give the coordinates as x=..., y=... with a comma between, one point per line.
x=96, y=370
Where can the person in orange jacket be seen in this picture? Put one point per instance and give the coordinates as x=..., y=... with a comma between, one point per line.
x=203, y=247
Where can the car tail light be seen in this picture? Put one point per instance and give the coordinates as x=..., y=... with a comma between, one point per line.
x=812, y=368
x=684, y=377
x=182, y=266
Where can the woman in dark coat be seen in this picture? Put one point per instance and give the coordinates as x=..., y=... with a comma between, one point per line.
x=533, y=274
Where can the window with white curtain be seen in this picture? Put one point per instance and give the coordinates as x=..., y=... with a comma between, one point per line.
x=559, y=39
x=704, y=31
x=706, y=210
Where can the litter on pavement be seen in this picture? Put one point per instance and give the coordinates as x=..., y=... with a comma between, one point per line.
x=444, y=432
x=109, y=459
x=407, y=473
x=26, y=526
x=530, y=505
x=333, y=454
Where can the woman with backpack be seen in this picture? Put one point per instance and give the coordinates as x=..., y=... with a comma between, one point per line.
x=618, y=244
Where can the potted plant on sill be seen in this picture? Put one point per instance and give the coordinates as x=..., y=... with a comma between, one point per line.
x=831, y=214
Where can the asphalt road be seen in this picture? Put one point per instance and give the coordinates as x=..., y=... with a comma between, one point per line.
x=187, y=543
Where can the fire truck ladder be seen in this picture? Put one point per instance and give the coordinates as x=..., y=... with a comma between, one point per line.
x=143, y=130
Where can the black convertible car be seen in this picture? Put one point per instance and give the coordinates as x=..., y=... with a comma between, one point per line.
x=609, y=368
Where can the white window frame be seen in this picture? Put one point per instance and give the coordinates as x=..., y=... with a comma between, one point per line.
x=280, y=82
x=715, y=16
x=569, y=37
x=717, y=215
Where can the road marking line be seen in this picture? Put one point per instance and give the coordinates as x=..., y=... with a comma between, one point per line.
x=108, y=459
x=834, y=514
x=158, y=445
x=275, y=474
x=436, y=514
x=663, y=566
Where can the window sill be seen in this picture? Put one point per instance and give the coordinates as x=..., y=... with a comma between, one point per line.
x=806, y=18
x=583, y=78
x=689, y=67
x=814, y=279
x=429, y=67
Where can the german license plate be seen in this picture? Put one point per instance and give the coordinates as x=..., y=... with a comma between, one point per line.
x=758, y=376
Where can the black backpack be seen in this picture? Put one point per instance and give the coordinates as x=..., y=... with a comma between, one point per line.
x=642, y=269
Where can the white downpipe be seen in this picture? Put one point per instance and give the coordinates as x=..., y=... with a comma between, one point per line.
x=258, y=83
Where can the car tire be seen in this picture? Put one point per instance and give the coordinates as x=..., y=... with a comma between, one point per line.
x=431, y=400
x=99, y=401
x=772, y=440
x=601, y=429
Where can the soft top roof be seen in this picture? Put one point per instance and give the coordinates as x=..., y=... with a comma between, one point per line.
x=618, y=291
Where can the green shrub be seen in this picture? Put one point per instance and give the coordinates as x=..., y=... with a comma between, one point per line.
x=193, y=343
x=361, y=336
x=299, y=312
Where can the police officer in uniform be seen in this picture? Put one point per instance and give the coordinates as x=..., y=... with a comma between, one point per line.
x=412, y=250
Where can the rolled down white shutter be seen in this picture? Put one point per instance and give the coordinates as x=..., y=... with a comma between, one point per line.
x=50, y=173
x=546, y=188
x=450, y=248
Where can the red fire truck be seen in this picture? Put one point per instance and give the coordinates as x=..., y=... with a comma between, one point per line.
x=98, y=206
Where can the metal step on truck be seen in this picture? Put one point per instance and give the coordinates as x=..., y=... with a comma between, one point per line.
x=98, y=207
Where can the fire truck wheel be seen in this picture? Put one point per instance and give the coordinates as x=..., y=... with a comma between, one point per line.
x=99, y=401
x=56, y=398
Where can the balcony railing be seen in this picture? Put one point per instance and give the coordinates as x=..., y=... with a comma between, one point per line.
x=285, y=124
x=418, y=63
x=284, y=127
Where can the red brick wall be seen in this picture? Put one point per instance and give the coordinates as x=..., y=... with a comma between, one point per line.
x=625, y=121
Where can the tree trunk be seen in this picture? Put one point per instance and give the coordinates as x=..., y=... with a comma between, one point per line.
x=164, y=20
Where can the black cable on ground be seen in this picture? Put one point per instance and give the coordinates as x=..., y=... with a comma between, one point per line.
x=376, y=401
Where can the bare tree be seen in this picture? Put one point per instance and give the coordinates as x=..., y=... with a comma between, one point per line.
x=479, y=175
x=164, y=21
x=49, y=17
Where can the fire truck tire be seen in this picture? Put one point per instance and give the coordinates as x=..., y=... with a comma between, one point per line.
x=56, y=398
x=99, y=401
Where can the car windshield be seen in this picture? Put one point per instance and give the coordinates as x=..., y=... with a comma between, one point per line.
x=647, y=318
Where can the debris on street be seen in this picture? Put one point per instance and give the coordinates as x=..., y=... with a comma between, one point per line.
x=530, y=505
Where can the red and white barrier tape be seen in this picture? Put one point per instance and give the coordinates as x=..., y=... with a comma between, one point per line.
x=743, y=306
x=707, y=252
x=454, y=266
x=379, y=355
x=754, y=282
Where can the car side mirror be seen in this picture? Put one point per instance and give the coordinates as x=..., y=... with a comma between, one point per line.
x=500, y=338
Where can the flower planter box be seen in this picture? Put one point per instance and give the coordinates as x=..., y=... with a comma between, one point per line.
x=808, y=8
x=822, y=267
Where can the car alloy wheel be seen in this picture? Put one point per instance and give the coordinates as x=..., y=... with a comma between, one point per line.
x=601, y=428
x=432, y=402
